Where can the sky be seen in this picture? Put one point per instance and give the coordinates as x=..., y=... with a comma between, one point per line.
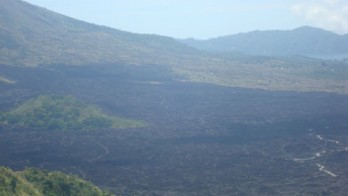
x=203, y=19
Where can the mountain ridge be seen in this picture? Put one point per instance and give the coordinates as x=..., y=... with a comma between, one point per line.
x=305, y=40
x=32, y=36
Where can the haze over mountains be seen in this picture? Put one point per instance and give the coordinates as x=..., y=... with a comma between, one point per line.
x=32, y=36
x=304, y=41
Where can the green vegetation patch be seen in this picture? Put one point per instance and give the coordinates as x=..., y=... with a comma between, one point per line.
x=63, y=113
x=36, y=182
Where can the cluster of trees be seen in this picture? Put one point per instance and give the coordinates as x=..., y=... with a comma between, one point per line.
x=61, y=113
x=45, y=120
x=41, y=182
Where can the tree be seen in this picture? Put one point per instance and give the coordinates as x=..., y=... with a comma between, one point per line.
x=13, y=184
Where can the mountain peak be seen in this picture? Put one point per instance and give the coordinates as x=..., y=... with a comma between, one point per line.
x=313, y=30
x=307, y=27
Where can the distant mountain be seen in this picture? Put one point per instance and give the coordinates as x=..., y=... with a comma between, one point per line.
x=30, y=35
x=306, y=41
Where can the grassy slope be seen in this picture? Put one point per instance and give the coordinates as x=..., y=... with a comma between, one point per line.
x=33, y=36
x=36, y=182
x=64, y=113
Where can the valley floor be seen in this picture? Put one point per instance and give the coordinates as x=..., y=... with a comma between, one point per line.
x=201, y=140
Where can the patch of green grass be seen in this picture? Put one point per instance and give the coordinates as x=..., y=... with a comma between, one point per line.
x=64, y=113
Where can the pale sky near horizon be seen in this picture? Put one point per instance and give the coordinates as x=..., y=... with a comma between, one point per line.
x=204, y=19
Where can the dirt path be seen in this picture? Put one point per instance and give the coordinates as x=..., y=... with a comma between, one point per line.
x=104, y=153
x=322, y=153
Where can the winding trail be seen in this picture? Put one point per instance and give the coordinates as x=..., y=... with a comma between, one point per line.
x=304, y=159
x=319, y=154
x=83, y=175
x=322, y=153
x=322, y=168
x=105, y=149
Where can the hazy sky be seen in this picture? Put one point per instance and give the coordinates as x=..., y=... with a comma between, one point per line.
x=204, y=18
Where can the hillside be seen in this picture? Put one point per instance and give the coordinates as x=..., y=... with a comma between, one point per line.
x=36, y=37
x=63, y=113
x=301, y=41
x=36, y=182
x=31, y=36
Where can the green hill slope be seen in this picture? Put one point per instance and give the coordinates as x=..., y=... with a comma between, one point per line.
x=31, y=36
x=34, y=182
x=63, y=113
